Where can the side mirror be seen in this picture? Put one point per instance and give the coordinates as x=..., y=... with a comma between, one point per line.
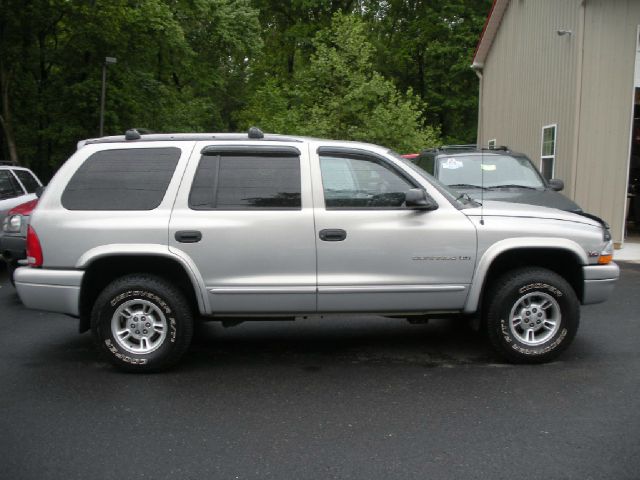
x=557, y=185
x=39, y=191
x=418, y=199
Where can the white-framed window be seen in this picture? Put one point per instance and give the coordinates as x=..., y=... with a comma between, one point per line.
x=548, y=151
x=492, y=144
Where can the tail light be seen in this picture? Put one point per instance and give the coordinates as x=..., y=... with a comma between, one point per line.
x=34, y=250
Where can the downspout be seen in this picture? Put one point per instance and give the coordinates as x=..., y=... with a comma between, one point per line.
x=477, y=68
x=578, y=99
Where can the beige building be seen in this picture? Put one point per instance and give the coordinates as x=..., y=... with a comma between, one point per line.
x=560, y=82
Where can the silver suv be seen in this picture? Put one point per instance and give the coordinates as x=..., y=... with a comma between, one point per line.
x=139, y=236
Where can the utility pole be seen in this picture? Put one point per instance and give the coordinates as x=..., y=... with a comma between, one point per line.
x=107, y=60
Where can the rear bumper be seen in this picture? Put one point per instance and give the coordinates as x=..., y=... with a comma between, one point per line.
x=599, y=281
x=13, y=247
x=50, y=290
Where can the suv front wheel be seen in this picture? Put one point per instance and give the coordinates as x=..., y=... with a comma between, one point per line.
x=532, y=315
x=142, y=323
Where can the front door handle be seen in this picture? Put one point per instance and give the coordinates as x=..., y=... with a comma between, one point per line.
x=333, y=235
x=188, y=236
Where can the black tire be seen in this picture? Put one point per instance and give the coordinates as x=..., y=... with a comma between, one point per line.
x=12, y=265
x=167, y=323
x=535, y=333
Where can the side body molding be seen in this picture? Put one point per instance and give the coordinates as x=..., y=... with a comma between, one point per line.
x=123, y=249
x=519, y=243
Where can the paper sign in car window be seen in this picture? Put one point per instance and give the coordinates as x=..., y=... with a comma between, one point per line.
x=451, y=164
x=488, y=167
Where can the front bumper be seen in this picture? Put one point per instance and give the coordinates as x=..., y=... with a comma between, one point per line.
x=50, y=290
x=599, y=281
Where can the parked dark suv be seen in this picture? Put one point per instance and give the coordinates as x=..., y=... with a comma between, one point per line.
x=495, y=174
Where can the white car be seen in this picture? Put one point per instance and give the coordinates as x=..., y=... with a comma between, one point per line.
x=17, y=185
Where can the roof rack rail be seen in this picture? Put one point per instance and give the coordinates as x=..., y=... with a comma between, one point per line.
x=459, y=147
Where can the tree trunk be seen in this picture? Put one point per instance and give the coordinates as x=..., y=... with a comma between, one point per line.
x=5, y=116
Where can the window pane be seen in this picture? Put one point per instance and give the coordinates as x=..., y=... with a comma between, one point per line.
x=426, y=162
x=361, y=183
x=127, y=179
x=8, y=185
x=547, y=168
x=27, y=179
x=487, y=171
x=246, y=182
x=549, y=141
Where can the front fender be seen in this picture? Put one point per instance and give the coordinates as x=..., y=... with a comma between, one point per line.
x=486, y=260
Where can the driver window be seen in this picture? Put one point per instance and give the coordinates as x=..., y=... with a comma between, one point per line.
x=354, y=182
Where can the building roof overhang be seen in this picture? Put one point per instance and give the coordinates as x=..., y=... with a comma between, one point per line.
x=489, y=32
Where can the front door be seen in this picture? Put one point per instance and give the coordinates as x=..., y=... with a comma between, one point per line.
x=376, y=255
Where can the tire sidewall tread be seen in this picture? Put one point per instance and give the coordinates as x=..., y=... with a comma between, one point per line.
x=501, y=299
x=167, y=297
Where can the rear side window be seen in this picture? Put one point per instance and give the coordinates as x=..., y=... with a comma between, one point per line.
x=9, y=187
x=27, y=179
x=245, y=181
x=126, y=179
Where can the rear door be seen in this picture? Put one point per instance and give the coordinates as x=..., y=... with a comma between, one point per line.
x=244, y=217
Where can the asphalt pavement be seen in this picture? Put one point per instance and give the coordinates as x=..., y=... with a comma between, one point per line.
x=337, y=397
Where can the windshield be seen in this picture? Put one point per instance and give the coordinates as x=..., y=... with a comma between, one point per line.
x=451, y=195
x=488, y=171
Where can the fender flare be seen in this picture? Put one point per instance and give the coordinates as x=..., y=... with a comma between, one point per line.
x=484, y=264
x=152, y=250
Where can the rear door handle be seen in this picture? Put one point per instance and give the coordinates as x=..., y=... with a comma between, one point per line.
x=188, y=236
x=333, y=235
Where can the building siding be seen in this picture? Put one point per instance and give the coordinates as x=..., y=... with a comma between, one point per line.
x=582, y=82
x=529, y=81
x=606, y=107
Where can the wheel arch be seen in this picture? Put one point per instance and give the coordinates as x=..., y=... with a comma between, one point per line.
x=103, y=267
x=562, y=256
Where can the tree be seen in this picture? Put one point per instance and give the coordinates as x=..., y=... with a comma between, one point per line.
x=338, y=94
x=428, y=46
x=182, y=65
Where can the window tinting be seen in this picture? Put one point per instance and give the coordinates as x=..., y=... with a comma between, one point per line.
x=126, y=179
x=27, y=179
x=242, y=182
x=9, y=188
x=351, y=182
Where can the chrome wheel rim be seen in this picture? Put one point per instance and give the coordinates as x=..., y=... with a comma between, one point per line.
x=139, y=326
x=535, y=318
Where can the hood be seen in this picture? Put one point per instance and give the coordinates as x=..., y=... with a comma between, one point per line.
x=544, y=198
x=492, y=208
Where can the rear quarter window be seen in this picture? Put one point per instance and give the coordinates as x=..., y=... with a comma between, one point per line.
x=122, y=179
x=9, y=187
x=28, y=180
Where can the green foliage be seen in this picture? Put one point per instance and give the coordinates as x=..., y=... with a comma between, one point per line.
x=428, y=46
x=182, y=66
x=394, y=72
x=338, y=94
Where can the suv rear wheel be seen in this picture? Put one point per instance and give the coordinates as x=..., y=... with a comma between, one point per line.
x=142, y=323
x=532, y=315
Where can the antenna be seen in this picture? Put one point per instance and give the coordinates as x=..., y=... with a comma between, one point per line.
x=482, y=185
